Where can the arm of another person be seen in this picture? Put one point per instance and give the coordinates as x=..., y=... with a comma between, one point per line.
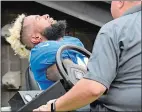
x=102, y=71
x=52, y=73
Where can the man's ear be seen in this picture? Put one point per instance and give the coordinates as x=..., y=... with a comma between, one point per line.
x=36, y=39
x=120, y=4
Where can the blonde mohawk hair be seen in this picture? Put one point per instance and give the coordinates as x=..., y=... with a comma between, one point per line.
x=14, y=38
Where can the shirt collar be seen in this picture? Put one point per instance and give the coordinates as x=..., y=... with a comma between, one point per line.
x=133, y=10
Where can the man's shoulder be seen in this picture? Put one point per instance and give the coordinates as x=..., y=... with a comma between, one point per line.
x=71, y=38
x=119, y=25
x=66, y=37
x=120, y=22
x=116, y=23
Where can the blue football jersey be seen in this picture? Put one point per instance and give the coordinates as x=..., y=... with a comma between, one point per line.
x=43, y=56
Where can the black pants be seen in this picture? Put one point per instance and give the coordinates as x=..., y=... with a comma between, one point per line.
x=96, y=106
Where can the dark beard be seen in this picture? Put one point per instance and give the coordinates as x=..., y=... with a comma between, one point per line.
x=56, y=31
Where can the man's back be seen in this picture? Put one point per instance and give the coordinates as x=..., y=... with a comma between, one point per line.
x=125, y=90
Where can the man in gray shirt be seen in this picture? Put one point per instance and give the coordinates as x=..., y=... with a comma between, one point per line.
x=113, y=81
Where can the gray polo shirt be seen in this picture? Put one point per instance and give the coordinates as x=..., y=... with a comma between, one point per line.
x=116, y=61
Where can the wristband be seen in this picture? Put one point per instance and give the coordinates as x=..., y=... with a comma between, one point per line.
x=53, y=106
